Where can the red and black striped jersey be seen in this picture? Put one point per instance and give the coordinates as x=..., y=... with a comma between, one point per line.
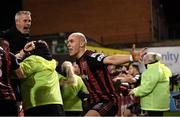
x=7, y=64
x=96, y=77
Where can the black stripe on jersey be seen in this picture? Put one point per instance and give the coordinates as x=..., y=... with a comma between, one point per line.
x=97, y=72
x=98, y=78
x=89, y=86
x=106, y=76
x=94, y=67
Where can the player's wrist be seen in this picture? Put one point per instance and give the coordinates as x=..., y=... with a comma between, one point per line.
x=131, y=58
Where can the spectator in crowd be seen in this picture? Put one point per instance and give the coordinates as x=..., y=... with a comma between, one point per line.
x=103, y=99
x=132, y=75
x=8, y=64
x=40, y=87
x=124, y=80
x=17, y=36
x=74, y=92
x=154, y=90
x=114, y=70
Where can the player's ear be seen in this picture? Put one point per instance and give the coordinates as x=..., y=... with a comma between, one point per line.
x=82, y=44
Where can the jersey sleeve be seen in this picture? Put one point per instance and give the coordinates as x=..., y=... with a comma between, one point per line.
x=98, y=56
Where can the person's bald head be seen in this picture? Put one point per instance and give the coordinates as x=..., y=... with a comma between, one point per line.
x=80, y=36
x=76, y=44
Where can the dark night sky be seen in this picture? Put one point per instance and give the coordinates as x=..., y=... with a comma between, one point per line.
x=172, y=11
x=8, y=8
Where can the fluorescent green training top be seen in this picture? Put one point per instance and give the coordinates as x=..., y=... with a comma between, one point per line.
x=70, y=95
x=154, y=90
x=41, y=83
